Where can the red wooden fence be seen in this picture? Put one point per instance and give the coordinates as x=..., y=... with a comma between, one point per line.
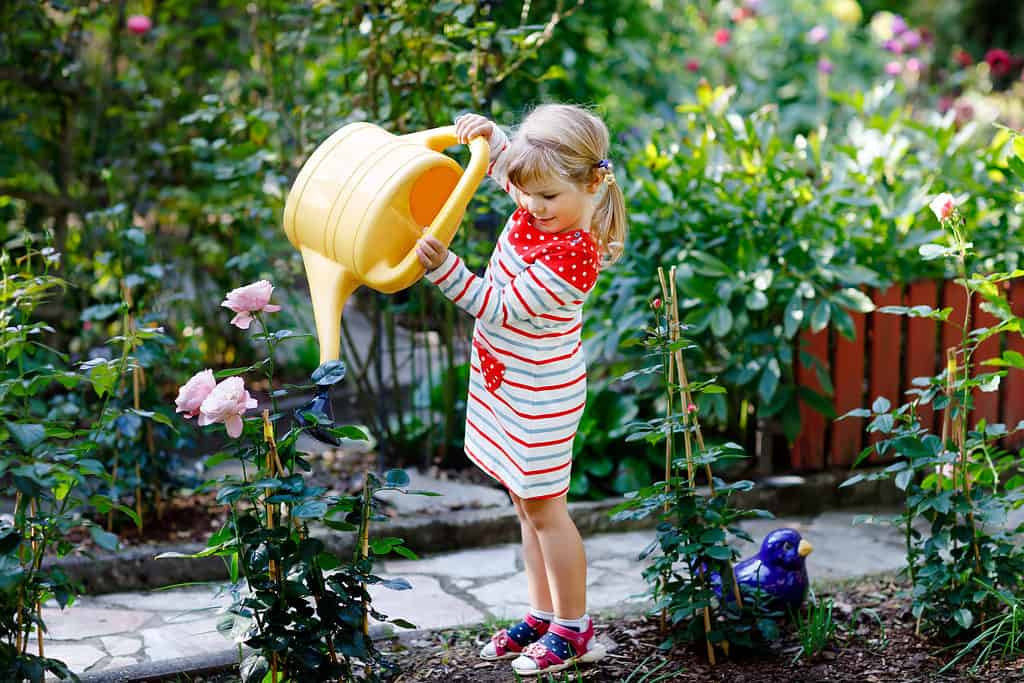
x=887, y=354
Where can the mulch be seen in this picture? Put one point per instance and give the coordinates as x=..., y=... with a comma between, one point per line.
x=875, y=642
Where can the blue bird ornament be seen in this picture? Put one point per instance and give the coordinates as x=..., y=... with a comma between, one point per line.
x=779, y=570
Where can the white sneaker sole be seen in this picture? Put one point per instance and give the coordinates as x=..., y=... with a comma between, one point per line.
x=594, y=654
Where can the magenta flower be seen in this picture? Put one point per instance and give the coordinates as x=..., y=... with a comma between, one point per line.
x=899, y=24
x=248, y=300
x=194, y=392
x=722, y=37
x=825, y=66
x=894, y=46
x=999, y=61
x=692, y=65
x=894, y=68
x=227, y=404
x=911, y=39
x=818, y=34
x=139, y=24
x=914, y=65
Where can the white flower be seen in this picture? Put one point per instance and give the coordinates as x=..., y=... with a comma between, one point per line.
x=943, y=206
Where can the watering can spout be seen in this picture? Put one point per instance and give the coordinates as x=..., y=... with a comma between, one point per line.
x=334, y=284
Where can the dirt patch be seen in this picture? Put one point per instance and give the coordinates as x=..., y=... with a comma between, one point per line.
x=874, y=643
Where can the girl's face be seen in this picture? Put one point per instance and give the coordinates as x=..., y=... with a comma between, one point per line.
x=558, y=204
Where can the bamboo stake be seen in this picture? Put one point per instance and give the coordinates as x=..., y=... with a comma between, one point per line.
x=39, y=606
x=663, y=622
x=673, y=332
x=271, y=465
x=685, y=383
x=136, y=387
x=364, y=545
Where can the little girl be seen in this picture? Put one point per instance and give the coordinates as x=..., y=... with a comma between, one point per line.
x=528, y=376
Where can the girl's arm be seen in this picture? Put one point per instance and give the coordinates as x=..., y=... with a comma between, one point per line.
x=561, y=277
x=499, y=161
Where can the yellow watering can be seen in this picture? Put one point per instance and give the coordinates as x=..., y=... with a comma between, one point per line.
x=360, y=203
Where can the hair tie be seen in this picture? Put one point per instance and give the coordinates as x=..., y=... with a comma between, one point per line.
x=604, y=163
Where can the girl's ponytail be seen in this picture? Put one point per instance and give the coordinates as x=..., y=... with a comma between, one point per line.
x=610, y=223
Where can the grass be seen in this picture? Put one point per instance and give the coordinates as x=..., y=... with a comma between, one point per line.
x=815, y=629
x=1001, y=635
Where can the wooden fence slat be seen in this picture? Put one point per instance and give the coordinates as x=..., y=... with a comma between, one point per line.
x=921, y=343
x=885, y=352
x=1013, y=383
x=986, y=403
x=848, y=380
x=808, y=452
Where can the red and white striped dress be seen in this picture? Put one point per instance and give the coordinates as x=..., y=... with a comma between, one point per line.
x=528, y=376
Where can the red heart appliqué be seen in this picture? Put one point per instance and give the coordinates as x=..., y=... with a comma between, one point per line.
x=492, y=368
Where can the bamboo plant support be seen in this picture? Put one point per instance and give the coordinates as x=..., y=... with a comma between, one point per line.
x=673, y=332
x=272, y=466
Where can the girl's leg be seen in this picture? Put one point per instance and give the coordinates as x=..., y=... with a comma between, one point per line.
x=533, y=558
x=562, y=550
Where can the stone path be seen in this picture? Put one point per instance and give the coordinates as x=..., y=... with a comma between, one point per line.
x=467, y=587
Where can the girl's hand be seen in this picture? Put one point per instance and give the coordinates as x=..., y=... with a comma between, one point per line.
x=431, y=252
x=469, y=126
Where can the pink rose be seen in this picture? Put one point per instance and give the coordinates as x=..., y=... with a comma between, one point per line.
x=194, y=392
x=722, y=37
x=825, y=66
x=894, y=46
x=914, y=65
x=911, y=39
x=692, y=65
x=943, y=206
x=894, y=68
x=139, y=24
x=249, y=299
x=227, y=403
x=816, y=35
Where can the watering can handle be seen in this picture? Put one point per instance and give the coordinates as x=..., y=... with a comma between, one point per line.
x=443, y=227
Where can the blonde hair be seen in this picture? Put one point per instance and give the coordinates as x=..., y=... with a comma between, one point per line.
x=570, y=142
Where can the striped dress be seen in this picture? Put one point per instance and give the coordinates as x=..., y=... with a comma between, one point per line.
x=528, y=376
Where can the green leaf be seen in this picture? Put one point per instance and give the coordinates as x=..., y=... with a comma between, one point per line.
x=310, y=509
x=28, y=436
x=820, y=316
x=104, y=539
x=397, y=478
x=881, y=405
x=330, y=373
x=721, y=320
x=253, y=668
x=769, y=380
x=793, y=316
x=903, y=479
x=964, y=618
x=757, y=300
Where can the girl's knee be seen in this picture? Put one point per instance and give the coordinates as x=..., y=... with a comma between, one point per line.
x=543, y=512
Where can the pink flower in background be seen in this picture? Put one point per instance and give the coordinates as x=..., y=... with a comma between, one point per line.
x=227, y=404
x=899, y=24
x=943, y=206
x=722, y=37
x=194, y=392
x=963, y=58
x=249, y=299
x=894, y=68
x=139, y=24
x=945, y=104
x=692, y=65
x=894, y=46
x=999, y=61
x=914, y=65
x=911, y=39
x=825, y=66
x=818, y=34
x=945, y=470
